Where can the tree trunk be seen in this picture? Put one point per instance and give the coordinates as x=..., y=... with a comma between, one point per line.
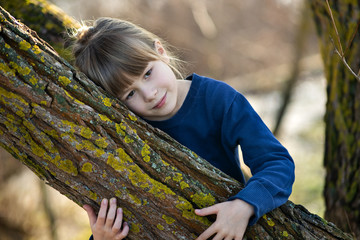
x=342, y=138
x=88, y=146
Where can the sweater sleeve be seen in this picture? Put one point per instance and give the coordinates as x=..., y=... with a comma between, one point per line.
x=271, y=165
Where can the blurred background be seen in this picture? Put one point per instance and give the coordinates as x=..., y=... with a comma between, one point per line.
x=264, y=49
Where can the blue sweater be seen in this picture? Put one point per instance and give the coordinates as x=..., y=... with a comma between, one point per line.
x=213, y=120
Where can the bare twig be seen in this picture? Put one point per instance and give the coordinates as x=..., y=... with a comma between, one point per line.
x=347, y=65
x=335, y=28
x=341, y=52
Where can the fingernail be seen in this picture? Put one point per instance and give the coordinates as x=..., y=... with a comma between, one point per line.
x=113, y=200
x=104, y=201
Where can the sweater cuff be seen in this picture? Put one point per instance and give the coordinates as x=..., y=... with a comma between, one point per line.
x=259, y=197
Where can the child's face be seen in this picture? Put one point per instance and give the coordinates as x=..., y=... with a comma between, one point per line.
x=154, y=94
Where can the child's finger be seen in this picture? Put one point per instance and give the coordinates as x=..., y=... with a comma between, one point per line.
x=207, y=211
x=91, y=214
x=111, y=213
x=124, y=231
x=118, y=220
x=207, y=233
x=102, y=212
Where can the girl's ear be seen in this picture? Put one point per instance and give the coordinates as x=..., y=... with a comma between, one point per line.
x=161, y=50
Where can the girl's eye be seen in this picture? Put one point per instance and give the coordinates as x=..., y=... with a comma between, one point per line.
x=148, y=73
x=131, y=93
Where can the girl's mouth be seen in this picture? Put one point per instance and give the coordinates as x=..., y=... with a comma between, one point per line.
x=161, y=102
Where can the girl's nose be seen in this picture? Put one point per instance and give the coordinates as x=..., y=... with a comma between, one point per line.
x=150, y=94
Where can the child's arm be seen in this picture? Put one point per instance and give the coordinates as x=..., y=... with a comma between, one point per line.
x=107, y=226
x=231, y=220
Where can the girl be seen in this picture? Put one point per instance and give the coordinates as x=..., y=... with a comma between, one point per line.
x=207, y=116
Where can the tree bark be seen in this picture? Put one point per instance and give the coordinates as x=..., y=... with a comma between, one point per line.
x=88, y=146
x=342, y=138
x=50, y=22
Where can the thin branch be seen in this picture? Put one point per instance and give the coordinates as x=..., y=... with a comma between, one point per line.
x=347, y=65
x=341, y=52
x=336, y=31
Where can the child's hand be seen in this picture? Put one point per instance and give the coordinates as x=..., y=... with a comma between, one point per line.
x=231, y=221
x=107, y=226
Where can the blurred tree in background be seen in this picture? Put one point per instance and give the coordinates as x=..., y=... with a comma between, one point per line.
x=337, y=24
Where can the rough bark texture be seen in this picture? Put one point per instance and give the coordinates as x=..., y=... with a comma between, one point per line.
x=50, y=22
x=88, y=146
x=342, y=140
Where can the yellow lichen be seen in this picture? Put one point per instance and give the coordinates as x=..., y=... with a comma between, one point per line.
x=118, y=193
x=115, y=163
x=134, y=228
x=79, y=102
x=178, y=177
x=87, y=167
x=107, y=102
x=203, y=200
x=145, y=153
x=24, y=45
x=36, y=49
x=22, y=71
x=188, y=211
x=64, y=80
x=159, y=190
x=127, y=139
x=135, y=199
x=33, y=80
x=101, y=142
x=86, y=132
x=68, y=166
x=285, y=233
x=104, y=118
x=194, y=155
x=160, y=227
x=92, y=195
x=269, y=221
x=138, y=178
x=68, y=94
x=119, y=129
x=183, y=185
x=44, y=139
x=186, y=208
x=7, y=70
x=6, y=97
x=165, y=163
x=132, y=117
x=168, y=220
x=52, y=133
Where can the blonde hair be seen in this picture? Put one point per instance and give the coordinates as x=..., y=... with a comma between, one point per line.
x=112, y=51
